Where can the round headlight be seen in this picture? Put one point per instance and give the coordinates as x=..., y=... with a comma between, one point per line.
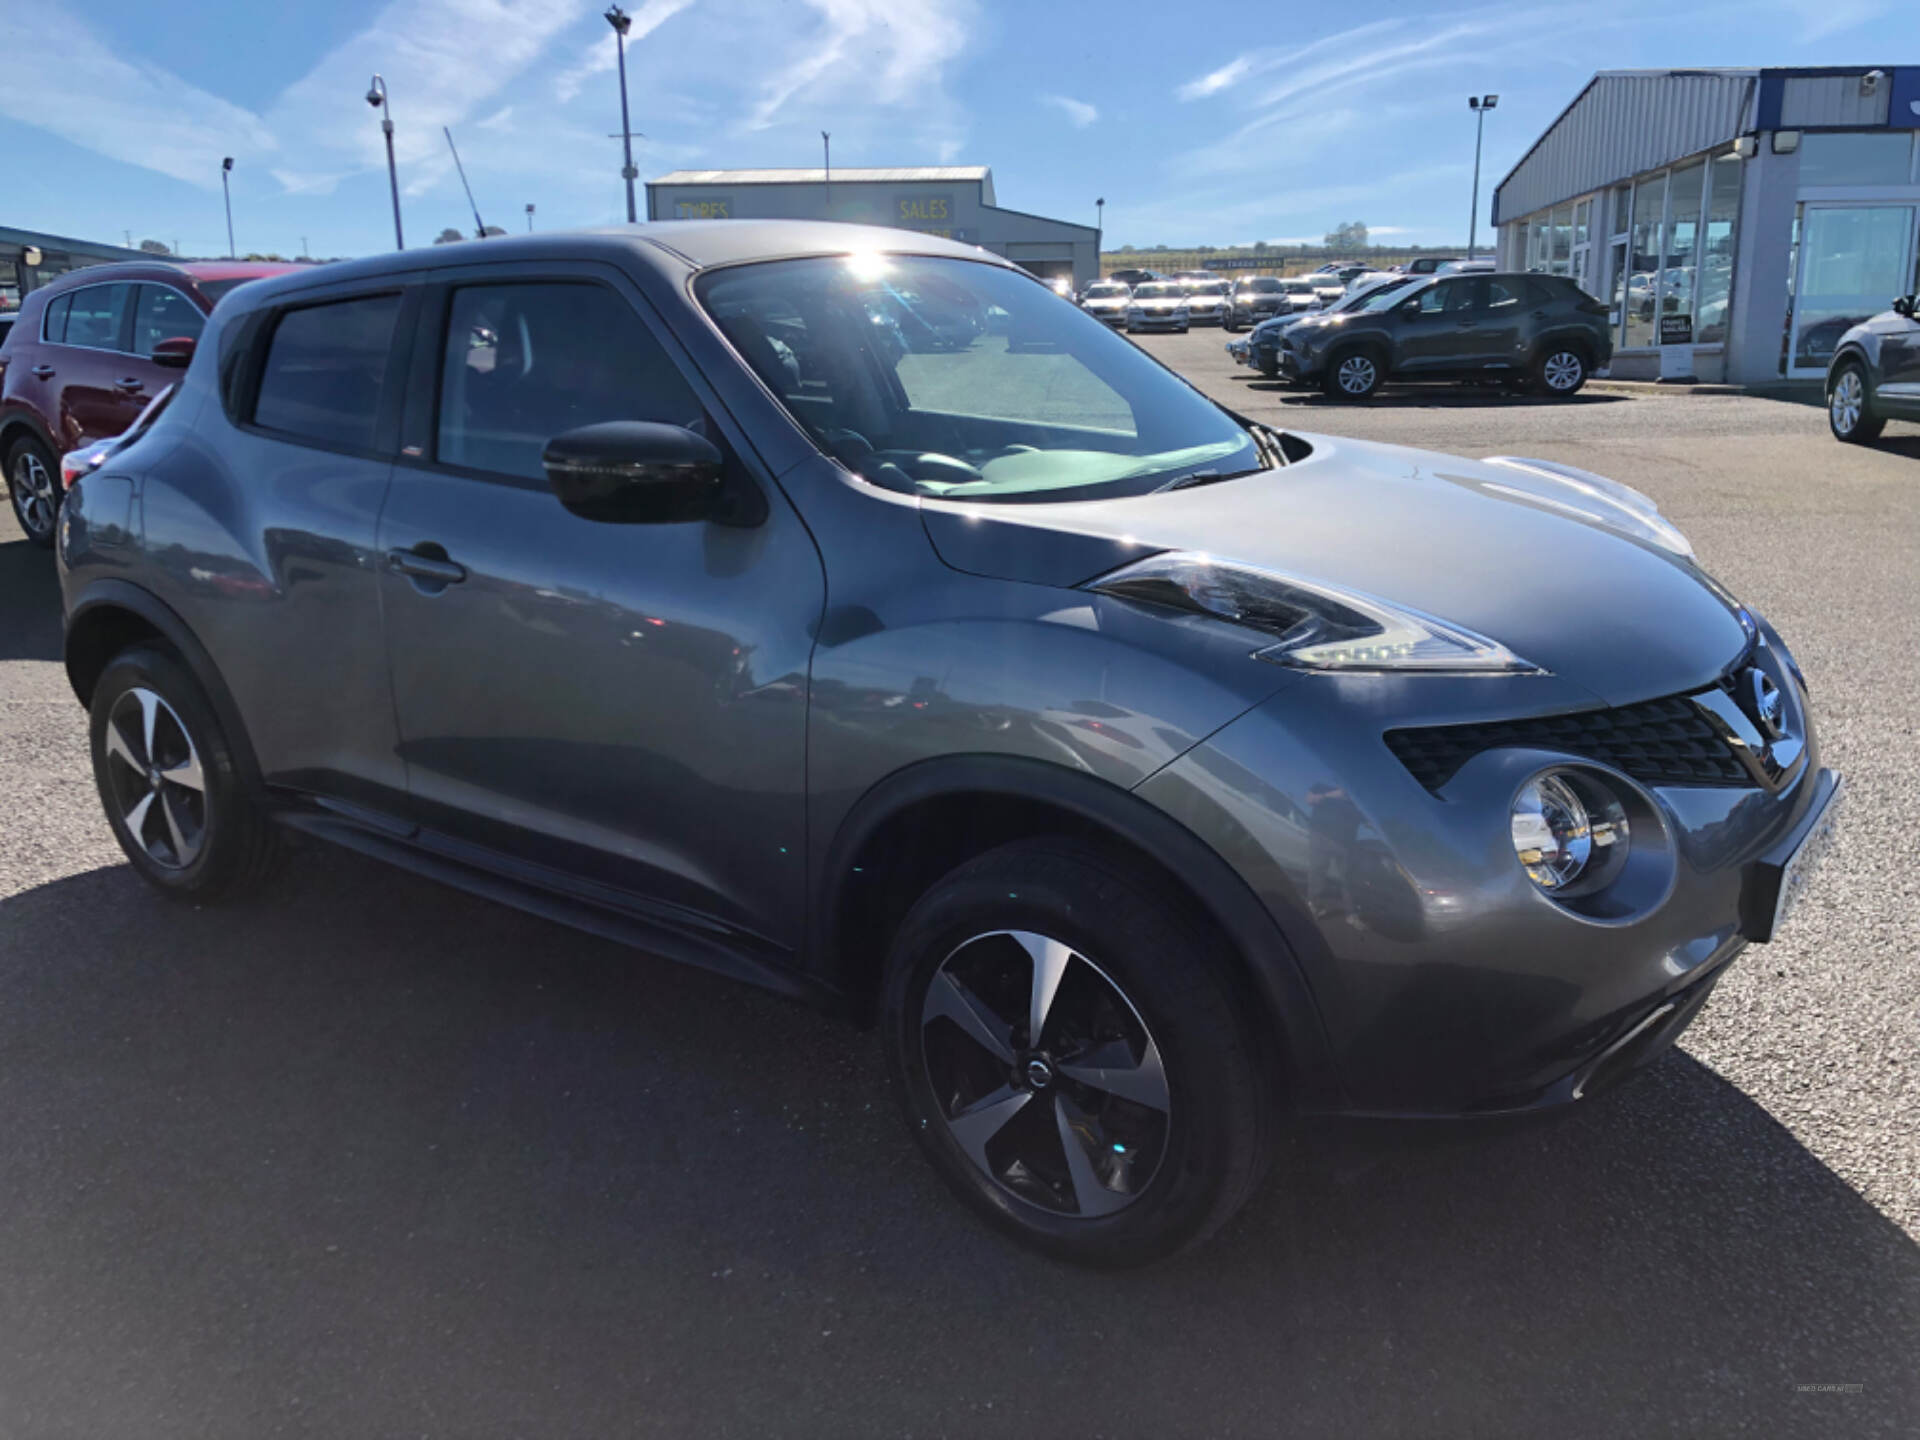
x=1552, y=834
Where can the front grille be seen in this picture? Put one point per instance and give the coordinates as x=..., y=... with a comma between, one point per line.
x=1657, y=742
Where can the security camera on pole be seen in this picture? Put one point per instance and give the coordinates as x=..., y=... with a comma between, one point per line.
x=1480, y=105
x=226, y=169
x=621, y=23
x=377, y=98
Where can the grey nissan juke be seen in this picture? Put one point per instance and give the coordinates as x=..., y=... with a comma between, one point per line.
x=1148, y=775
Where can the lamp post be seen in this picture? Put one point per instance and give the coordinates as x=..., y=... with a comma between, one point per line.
x=826, y=170
x=226, y=168
x=377, y=98
x=1480, y=105
x=529, y=217
x=621, y=23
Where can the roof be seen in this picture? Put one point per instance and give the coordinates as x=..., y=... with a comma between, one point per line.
x=815, y=175
x=150, y=267
x=670, y=246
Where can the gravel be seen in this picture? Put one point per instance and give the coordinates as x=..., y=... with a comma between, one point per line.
x=367, y=1156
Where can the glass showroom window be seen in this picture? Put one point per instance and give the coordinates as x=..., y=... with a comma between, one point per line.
x=1855, y=159
x=1715, y=286
x=1643, y=263
x=1560, y=257
x=1680, y=241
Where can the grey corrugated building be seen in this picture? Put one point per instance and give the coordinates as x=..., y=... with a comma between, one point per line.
x=954, y=201
x=1738, y=221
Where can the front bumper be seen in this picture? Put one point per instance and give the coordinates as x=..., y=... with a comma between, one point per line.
x=1446, y=982
x=1158, y=322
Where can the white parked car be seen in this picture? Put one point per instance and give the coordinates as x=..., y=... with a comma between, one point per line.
x=1207, y=301
x=1158, y=305
x=1107, y=300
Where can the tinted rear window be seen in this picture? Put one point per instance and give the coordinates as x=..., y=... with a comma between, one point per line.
x=324, y=371
x=54, y=329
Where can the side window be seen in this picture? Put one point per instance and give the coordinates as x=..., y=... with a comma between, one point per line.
x=1503, y=297
x=54, y=328
x=1447, y=295
x=324, y=371
x=164, y=314
x=96, y=315
x=524, y=363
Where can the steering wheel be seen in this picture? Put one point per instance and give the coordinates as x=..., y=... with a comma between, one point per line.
x=930, y=465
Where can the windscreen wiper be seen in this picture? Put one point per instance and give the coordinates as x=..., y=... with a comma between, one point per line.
x=1202, y=477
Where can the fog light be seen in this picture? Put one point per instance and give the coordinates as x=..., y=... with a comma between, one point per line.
x=1552, y=833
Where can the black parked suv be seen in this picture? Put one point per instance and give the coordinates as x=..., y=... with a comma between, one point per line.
x=1541, y=331
x=1875, y=374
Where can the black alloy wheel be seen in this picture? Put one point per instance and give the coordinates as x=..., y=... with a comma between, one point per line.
x=1073, y=1057
x=33, y=484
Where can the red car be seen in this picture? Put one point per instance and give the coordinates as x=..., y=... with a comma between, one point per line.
x=86, y=354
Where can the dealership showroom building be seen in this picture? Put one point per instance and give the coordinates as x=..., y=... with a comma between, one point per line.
x=954, y=201
x=1737, y=221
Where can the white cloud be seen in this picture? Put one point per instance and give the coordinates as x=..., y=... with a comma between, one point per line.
x=1260, y=62
x=1078, y=112
x=884, y=51
x=601, y=57
x=67, y=80
x=1821, y=18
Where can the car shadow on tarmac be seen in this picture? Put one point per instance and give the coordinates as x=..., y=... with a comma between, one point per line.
x=30, y=621
x=1454, y=397
x=366, y=1155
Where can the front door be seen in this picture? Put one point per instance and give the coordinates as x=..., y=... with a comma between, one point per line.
x=1900, y=366
x=100, y=395
x=1854, y=259
x=619, y=703
x=1437, y=329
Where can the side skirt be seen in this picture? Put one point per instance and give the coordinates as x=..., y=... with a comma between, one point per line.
x=670, y=932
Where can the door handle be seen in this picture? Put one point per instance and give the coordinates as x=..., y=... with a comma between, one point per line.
x=130, y=383
x=420, y=563
x=1466, y=324
x=42, y=372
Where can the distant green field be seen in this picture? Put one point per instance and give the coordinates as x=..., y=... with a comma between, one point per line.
x=1272, y=262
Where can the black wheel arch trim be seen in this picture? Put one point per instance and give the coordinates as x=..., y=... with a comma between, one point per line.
x=24, y=420
x=1853, y=352
x=110, y=593
x=1272, y=961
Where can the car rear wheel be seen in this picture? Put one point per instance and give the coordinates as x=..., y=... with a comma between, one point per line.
x=1848, y=412
x=181, y=810
x=1073, y=1057
x=1559, y=370
x=1353, y=375
x=33, y=484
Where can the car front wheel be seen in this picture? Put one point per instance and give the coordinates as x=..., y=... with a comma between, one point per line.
x=178, y=805
x=33, y=483
x=1354, y=375
x=1073, y=1057
x=1848, y=412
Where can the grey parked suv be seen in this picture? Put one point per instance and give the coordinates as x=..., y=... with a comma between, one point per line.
x=1875, y=374
x=1541, y=331
x=1146, y=774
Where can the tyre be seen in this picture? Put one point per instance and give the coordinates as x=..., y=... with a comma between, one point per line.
x=1270, y=369
x=1073, y=1057
x=1353, y=375
x=1849, y=413
x=33, y=484
x=1230, y=325
x=1559, y=371
x=1183, y=327
x=180, y=808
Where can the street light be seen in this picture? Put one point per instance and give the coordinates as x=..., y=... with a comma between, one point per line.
x=226, y=168
x=377, y=98
x=529, y=217
x=622, y=22
x=1480, y=105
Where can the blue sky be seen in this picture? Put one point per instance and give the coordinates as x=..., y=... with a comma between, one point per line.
x=1240, y=121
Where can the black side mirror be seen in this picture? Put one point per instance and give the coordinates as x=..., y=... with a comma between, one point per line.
x=1904, y=306
x=175, y=353
x=631, y=472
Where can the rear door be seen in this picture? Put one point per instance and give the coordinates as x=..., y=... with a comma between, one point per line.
x=617, y=705
x=160, y=312
x=1504, y=312
x=99, y=395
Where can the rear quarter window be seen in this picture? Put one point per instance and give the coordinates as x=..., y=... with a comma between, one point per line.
x=54, y=328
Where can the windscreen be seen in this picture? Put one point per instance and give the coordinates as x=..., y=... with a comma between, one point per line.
x=953, y=379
